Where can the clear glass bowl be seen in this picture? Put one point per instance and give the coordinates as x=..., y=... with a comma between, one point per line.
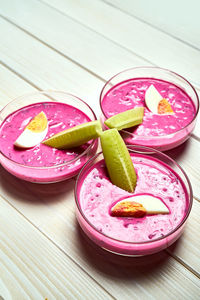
x=53, y=173
x=133, y=248
x=164, y=142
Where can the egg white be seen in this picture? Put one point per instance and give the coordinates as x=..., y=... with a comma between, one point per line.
x=152, y=99
x=28, y=138
x=152, y=204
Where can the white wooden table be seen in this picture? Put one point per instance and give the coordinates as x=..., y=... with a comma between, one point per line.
x=75, y=46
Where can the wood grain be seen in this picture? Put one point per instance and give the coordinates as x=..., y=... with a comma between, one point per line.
x=76, y=46
x=179, y=19
x=51, y=209
x=147, y=42
x=11, y=86
x=107, y=56
x=189, y=149
x=84, y=46
x=117, y=275
x=46, y=69
x=33, y=268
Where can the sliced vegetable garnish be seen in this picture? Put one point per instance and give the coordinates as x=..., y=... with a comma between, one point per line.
x=118, y=160
x=75, y=136
x=126, y=119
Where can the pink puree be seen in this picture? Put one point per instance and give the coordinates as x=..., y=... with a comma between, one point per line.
x=60, y=117
x=97, y=195
x=129, y=94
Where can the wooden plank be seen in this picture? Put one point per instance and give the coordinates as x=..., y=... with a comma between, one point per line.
x=50, y=212
x=143, y=281
x=187, y=155
x=177, y=18
x=33, y=268
x=152, y=276
x=86, y=47
x=196, y=131
x=47, y=69
x=100, y=14
x=142, y=39
x=43, y=211
x=47, y=209
x=11, y=86
x=99, y=20
x=106, y=58
x=50, y=71
x=186, y=249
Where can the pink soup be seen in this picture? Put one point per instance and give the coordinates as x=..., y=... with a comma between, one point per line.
x=96, y=195
x=157, y=131
x=40, y=162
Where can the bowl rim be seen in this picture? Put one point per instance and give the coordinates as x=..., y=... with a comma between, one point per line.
x=43, y=93
x=144, y=137
x=149, y=151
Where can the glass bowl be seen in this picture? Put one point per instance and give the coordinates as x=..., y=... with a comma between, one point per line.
x=55, y=173
x=93, y=229
x=159, y=142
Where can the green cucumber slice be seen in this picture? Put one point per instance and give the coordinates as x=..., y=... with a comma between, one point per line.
x=126, y=119
x=75, y=136
x=118, y=161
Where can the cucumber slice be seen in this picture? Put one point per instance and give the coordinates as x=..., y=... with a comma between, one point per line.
x=126, y=119
x=118, y=161
x=75, y=136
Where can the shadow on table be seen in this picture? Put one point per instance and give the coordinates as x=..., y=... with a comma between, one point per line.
x=26, y=191
x=177, y=152
x=121, y=266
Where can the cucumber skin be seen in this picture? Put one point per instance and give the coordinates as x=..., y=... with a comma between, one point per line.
x=75, y=136
x=131, y=117
x=118, y=161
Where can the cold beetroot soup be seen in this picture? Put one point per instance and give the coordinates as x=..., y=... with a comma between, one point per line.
x=42, y=163
x=162, y=132
x=95, y=195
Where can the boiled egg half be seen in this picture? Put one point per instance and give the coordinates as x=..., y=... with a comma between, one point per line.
x=34, y=132
x=156, y=103
x=139, y=206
